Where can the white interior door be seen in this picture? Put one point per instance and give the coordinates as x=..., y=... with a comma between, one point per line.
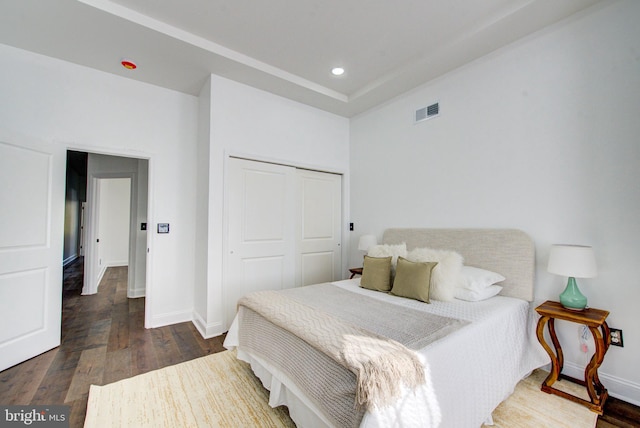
x=261, y=244
x=32, y=175
x=319, y=231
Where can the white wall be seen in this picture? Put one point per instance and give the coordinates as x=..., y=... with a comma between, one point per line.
x=88, y=110
x=259, y=125
x=540, y=136
x=202, y=270
x=113, y=224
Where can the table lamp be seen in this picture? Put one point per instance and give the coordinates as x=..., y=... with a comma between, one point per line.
x=572, y=261
x=366, y=242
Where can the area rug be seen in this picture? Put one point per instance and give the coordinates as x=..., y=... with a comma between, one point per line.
x=213, y=391
x=220, y=391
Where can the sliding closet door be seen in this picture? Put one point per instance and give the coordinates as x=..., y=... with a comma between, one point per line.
x=261, y=214
x=284, y=229
x=318, y=252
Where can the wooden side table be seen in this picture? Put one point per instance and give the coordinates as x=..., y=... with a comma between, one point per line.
x=355, y=271
x=594, y=319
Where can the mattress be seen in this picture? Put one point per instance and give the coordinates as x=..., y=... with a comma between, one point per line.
x=469, y=372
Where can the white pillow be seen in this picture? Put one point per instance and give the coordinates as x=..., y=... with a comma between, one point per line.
x=476, y=279
x=386, y=250
x=445, y=276
x=477, y=295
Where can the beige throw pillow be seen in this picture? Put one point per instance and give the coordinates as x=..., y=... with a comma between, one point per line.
x=413, y=279
x=376, y=273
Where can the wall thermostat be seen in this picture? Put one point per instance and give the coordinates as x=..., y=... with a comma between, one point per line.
x=163, y=227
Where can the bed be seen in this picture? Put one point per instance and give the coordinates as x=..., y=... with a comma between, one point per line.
x=487, y=348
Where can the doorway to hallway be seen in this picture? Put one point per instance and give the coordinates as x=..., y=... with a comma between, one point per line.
x=106, y=204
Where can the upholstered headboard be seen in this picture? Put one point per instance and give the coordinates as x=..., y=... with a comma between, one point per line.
x=509, y=252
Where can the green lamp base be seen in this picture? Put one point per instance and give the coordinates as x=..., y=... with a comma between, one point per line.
x=571, y=298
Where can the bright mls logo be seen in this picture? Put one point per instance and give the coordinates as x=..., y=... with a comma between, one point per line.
x=35, y=416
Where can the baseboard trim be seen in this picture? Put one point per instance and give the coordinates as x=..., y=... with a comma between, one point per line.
x=103, y=269
x=617, y=387
x=207, y=331
x=136, y=293
x=117, y=263
x=170, y=318
x=69, y=260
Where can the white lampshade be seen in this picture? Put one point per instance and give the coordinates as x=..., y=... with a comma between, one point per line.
x=366, y=242
x=576, y=261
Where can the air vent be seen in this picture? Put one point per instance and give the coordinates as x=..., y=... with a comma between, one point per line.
x=428, y=112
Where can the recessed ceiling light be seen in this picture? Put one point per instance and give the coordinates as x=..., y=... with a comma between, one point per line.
x=337, y=71
x=128, y=64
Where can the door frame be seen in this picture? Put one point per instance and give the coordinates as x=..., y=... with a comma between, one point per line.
x=83, y=236
x=148, y=318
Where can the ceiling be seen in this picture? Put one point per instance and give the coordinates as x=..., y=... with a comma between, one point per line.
x=286, y=47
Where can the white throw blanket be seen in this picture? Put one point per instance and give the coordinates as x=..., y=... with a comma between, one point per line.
x=382, y=366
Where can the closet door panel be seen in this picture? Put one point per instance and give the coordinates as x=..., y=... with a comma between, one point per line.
x=261, y=239
x=318, y=250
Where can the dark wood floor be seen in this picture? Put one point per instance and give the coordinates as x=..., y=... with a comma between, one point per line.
x=618, y=413
x=103, y=341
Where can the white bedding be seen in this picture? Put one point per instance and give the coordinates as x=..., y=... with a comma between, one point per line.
x=468, y=372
